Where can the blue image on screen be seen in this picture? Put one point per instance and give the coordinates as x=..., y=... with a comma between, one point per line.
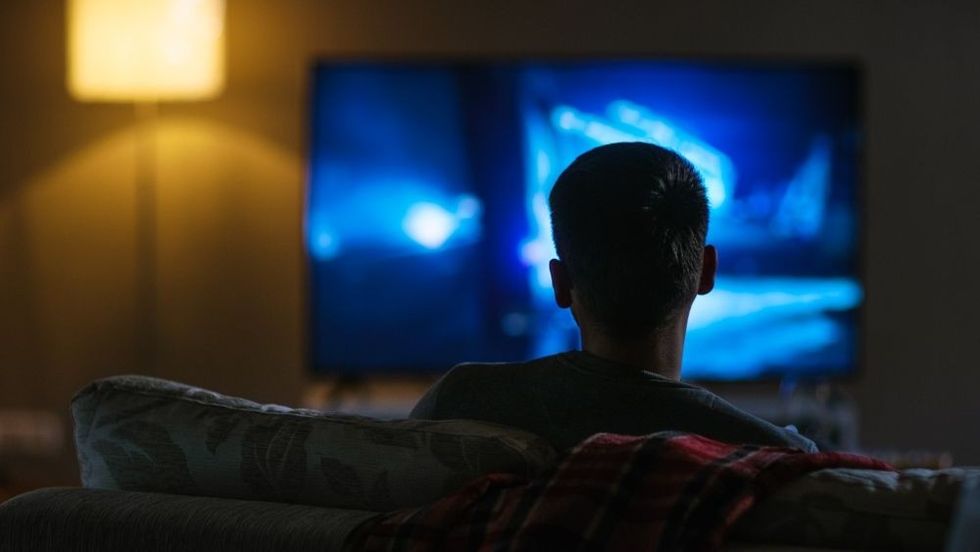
x=428, y=227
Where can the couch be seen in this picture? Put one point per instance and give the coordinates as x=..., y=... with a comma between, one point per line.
x=166, y=466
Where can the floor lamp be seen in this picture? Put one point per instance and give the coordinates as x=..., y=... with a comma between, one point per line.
x=145, y=52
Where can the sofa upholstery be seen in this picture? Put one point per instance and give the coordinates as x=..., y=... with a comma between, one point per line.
x=862, y=509
x=137, y=433
x=169, y=467
x=98, y=520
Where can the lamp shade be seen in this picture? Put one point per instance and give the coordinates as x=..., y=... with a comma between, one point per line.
x=145, y=50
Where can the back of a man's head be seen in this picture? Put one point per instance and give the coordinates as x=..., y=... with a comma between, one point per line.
x=629, y=222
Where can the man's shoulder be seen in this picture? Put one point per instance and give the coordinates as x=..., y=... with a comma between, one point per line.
x=502, y=371
x=470, y=383
x=491, y=367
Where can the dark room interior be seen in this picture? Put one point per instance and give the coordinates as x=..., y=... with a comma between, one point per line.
x=206, y=280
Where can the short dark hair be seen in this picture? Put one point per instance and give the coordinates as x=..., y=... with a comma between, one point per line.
x=629, y=221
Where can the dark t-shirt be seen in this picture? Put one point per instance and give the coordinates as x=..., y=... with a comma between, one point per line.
x=567, y=397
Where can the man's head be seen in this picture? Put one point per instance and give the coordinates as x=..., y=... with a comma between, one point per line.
x=629, y=222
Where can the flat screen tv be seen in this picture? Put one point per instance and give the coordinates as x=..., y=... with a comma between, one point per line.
x=427, y=224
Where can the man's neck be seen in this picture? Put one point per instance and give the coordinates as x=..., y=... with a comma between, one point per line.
x=659, y=352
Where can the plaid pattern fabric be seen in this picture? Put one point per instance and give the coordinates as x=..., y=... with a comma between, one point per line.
x=665, y=491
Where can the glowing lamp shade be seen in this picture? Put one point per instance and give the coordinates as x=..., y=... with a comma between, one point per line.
x=145, y=50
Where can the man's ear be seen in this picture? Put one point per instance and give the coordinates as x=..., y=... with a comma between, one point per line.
x=561, y=283
x=709, y=266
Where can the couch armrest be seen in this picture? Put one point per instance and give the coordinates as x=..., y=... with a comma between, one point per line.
x=63, y=519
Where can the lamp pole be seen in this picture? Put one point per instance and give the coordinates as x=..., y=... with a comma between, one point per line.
x=145, y=195
x=145, y=51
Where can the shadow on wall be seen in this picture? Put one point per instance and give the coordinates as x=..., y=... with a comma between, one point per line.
x=229, y=265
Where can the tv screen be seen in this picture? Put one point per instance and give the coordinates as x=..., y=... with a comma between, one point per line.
x=428, y=229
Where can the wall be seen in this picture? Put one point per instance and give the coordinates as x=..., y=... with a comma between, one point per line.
x=230, y=176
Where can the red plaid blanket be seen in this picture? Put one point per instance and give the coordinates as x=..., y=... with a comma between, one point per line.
x=665, y=491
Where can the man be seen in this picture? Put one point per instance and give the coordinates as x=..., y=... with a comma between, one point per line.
x=629, y=223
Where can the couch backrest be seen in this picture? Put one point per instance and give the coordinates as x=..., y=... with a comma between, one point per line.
x=860, y=509
x=144, y=434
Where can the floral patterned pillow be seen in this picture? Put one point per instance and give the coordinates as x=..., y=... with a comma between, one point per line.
x=144, y=434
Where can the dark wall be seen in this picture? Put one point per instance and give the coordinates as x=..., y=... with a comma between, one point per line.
x=230, y=175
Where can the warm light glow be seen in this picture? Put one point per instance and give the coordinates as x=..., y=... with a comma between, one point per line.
x=145, y=50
